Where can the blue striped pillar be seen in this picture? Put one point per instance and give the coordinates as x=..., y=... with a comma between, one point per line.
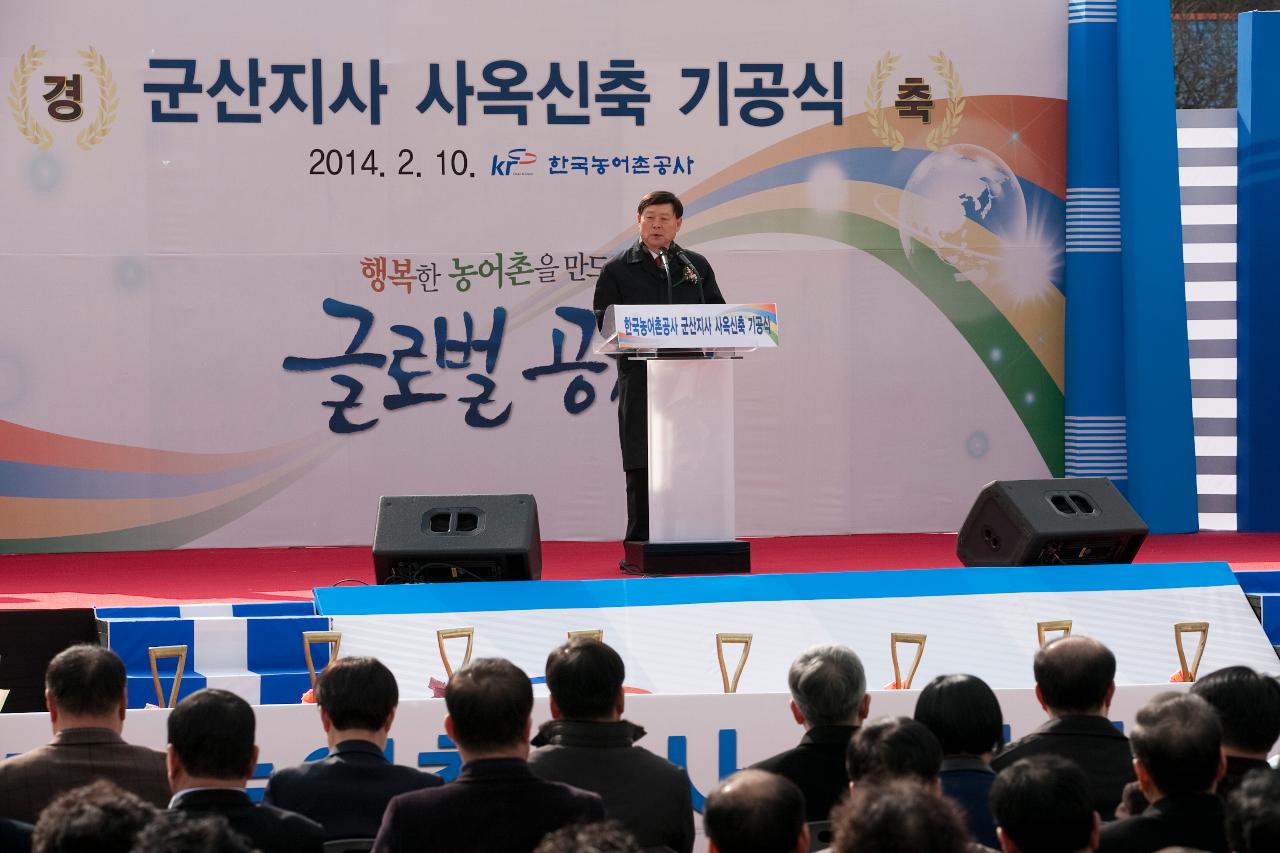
x=1095, y=413
x=1157, y=373
x=1257, y=266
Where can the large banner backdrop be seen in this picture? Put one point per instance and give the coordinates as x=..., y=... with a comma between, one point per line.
x=260, y=264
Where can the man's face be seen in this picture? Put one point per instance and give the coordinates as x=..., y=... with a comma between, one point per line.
x=658, y=226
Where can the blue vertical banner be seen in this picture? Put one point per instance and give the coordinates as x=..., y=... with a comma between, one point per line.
x=1096, y=444
x=1257, y=260
x=1157, y=378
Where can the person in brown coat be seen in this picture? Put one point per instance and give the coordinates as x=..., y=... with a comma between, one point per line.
x=85, y=694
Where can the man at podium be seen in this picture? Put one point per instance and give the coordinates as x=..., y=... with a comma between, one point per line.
x=653, y=271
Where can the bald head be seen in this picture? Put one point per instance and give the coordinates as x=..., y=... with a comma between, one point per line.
x=754, y=811
x=1075, y=675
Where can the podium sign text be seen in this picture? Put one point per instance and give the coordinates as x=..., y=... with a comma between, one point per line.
x=648, y=327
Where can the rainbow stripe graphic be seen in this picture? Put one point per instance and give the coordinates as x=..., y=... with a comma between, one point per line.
x=60, y=493
x=1016, y=330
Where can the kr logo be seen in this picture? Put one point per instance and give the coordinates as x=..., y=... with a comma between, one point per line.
x=504, y=165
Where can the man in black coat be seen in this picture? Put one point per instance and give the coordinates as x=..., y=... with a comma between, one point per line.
x=348, y=791
x=587, y=744
x=829, y=699
x=210, y=759
x=1075, y=680
x=496, y=805
x=1248, y=706
x=1044, y=803
x=637, y=276
x=1177, y=752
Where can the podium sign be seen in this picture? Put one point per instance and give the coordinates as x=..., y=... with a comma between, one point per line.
x=640, y=328
x=690, y=426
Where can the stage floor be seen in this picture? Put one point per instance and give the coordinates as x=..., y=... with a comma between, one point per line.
x=31, y=581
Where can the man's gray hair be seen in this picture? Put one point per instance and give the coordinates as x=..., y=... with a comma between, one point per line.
x=828, y=683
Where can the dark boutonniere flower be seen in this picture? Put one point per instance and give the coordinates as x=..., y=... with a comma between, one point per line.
x=690, y=275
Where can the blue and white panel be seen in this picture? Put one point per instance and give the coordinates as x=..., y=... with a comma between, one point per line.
x=1207, y=174
x=200, y=611
x=1096, y=446
x=258, y=658
x=1091, y=12
x=1093, y=219
x=982, y=621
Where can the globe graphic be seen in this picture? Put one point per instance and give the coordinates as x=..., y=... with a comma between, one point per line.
x=965, y=204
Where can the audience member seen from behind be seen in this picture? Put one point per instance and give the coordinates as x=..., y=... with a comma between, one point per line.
x=1177, y=753
x=964, y=714
x=893, y=748
x=1043, y=804
x=496, y=804
x=587, y=744
x=179, y=832
x=754, y=811
x=1248, y=706
x=85, y=694
x=211, y=757
x=1075, y=680
x=97, y=818
x=829, y=699
x=1253, y=813
x=896, y=816
x=15, y=835
x=608, y=836
x=348, y=791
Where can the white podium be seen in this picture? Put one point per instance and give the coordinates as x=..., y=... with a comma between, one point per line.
x=690, y=351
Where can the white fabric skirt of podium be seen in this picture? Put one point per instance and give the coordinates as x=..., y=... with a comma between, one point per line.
x=691, y=475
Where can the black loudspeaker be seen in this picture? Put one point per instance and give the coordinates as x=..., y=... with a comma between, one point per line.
x=1050, y=522
x=424, y=539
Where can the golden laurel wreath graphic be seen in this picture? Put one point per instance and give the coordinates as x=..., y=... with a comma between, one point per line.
x=880, y=126
x=107, y=100
x=889, y=135
x=27, y=126
x=37, y=134
x=942, y=134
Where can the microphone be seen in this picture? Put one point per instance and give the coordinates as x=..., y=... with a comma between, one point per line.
x=684, y=259
x=666, y=268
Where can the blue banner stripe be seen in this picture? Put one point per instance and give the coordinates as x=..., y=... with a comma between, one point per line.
x=130, y=639
x=650, y=592
x=285, y=688
x=275, y=645
x=274, y=608
x=1271, y=618
x=158, y=612
x=1259, y=581
x=141, y=689
x=29, y=480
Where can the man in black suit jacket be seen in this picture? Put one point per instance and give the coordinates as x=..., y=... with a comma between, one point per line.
x=1075, y=680
x=1044, y=803
x=829, y=698
x=496, y=805
x=15, y=835
x=587, y=744
x=1248, y=706
x=1177, y=753
x=348, y=791
x=636, y=276
x=210, y=759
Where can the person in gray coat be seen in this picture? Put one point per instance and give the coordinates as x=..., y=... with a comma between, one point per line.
x=587, y=744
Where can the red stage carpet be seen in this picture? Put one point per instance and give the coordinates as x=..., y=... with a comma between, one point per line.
x=272, y=574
